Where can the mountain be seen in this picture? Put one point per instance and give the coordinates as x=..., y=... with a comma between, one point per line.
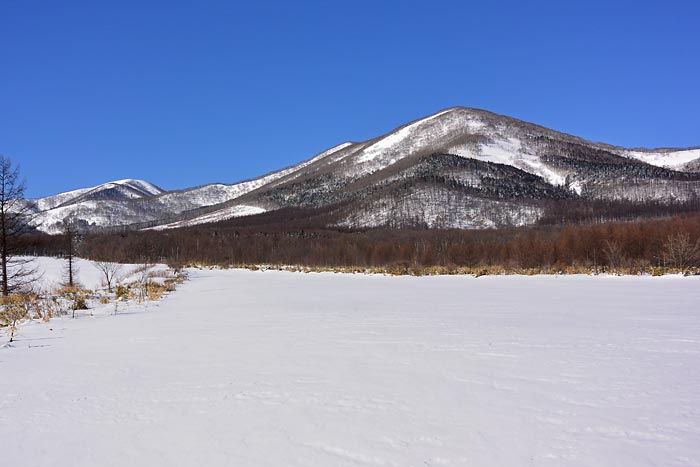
x=136, y=202
x=99, y=205
x=458, y=168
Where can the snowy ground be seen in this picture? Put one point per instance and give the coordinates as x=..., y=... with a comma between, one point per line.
x=288, y=369
x=51, y=273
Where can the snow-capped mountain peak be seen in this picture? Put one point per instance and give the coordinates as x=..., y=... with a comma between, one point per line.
x=147, y=188
x=127, y=188
x=460, y=167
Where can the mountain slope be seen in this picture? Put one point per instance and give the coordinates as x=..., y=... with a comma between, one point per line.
x=460, y=167
x=91, y=206
x=377, y=183
x=129, y=202
x=120, y=189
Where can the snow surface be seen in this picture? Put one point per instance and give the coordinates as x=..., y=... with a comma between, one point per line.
x=52, y=273
x=275, y=368
x=671, y=159
x=216, y=216
x=510, y=151
x=332, y=150
x=396, y=138
x=139, y=185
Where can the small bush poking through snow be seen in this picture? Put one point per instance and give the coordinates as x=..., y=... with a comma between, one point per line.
x=76, y=297
x=15, y=308
x=80, y=302
x=123, y=292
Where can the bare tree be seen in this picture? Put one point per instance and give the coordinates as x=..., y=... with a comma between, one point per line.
x=147, y=248
x=72, y=235
x=613, y=253
x=110, y=271
x=680, y=252
x=15, y=215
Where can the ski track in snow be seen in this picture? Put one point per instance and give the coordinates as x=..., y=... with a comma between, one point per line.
x=273, y=368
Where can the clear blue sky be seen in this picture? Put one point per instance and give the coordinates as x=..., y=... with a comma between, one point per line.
x=186, y=93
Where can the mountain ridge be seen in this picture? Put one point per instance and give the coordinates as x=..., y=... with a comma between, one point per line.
x=419, y=157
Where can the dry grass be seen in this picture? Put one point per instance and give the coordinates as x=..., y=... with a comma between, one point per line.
x=407, y=269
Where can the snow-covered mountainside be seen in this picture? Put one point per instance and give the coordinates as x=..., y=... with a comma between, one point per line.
x=99, y=205
x=469, y=168
x=669, y=159
x=120, y=189
x=137, y=202
x=461, y=167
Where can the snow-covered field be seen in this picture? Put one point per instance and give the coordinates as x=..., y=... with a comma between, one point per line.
x=52, y=273
x=287, y=369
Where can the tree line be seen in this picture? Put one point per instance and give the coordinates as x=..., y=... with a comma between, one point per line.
x=672, y=242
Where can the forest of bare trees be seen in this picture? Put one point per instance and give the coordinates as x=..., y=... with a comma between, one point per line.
x=672, y=242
